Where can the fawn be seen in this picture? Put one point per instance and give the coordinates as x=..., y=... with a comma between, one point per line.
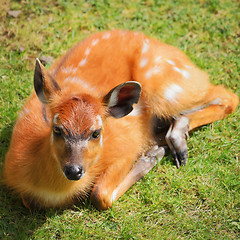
x=92, y=124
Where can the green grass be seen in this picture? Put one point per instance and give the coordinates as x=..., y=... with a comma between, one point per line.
x=199, y=201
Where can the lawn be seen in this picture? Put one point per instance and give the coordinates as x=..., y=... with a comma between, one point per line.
x=199, y=201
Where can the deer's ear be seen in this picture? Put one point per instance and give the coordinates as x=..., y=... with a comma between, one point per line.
x=44, y=84
x=120, y=99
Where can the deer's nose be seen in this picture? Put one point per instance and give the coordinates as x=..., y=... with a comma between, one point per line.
x=73, y=172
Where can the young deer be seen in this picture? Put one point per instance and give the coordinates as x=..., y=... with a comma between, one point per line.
x=99, y=109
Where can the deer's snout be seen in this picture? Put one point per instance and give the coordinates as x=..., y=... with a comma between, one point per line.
x=73, y=172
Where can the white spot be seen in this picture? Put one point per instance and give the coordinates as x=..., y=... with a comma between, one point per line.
x=87, y=51
x=171, y=93
x=83, y=62
x=145, y=46
x=184, y=73
x=106, y=35
x=143, y=62
x=97, y=124
x=137, y=110
x=158, y=59
x=95, y=41
x=114, y=195
x=155, y=70
x=177, y=69
x=68, y=69
x=101, y=141
x=99, y=119
x=171, y=62
x=187, y=66
x=79, y=81
x=148, y=74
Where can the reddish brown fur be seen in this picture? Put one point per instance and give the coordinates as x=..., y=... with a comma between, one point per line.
x=170, y=84
x=73, y=108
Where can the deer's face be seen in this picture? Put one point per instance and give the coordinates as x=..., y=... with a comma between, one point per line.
x=76, y=137
x=77, y=124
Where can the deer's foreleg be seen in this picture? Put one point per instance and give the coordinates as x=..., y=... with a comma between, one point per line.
x=103, y=195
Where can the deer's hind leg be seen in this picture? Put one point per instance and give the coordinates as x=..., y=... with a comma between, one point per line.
x=217, y=104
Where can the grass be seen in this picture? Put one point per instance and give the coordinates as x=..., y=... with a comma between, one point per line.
x=199, y=201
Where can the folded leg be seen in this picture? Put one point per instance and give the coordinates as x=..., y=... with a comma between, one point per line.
x=217, y=104
x=105, y=193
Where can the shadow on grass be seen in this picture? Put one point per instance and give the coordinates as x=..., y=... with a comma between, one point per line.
x=16, y=222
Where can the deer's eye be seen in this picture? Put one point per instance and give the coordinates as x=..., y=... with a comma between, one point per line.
x=96, y=134
x=57, y=130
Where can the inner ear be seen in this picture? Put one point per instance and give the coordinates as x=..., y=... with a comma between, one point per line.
x=120, y=99
x=44, y=84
